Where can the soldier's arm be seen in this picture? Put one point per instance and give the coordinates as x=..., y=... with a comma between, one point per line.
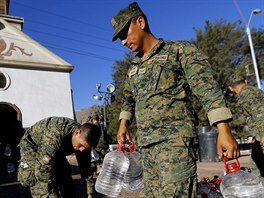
x=126, y=115
x=123, y=134
x=84, y=162
x=226, y=141
x=199, y=76
x=90, y=186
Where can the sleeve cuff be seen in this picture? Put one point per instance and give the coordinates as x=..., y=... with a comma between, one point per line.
x=219, y=114
x=90, y=184
x=125, y=115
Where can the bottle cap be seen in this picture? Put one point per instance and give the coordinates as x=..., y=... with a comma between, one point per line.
x=128, y=146
x=231, y=167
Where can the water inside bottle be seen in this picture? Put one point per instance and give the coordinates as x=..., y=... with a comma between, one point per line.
x=239, y=183
x=133, y=180
x=110, y=179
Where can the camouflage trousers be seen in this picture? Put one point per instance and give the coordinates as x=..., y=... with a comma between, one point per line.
x=169, y=170
x=257, y=160
x=31, y=172
x=63, y=184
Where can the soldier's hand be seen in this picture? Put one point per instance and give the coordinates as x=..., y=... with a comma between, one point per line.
x=122, y=134
x=90, y=196
x=226, y=142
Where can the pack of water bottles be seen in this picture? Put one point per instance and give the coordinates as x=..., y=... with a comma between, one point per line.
x=121, y=170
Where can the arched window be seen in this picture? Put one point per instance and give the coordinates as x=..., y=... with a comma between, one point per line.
x=4, y=81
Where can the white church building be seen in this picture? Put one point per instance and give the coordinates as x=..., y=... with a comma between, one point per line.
x=34, y=82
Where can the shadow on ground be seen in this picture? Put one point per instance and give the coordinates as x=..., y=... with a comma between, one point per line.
x=11, y=188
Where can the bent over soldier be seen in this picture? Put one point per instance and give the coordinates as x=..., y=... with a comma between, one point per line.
x=157, y=91
x=43, y=165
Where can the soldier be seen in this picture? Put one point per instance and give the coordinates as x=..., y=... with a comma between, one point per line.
x=103, y=143
x=95, y=119
x=43, y=166
x=158, y=83
x=101, y=149
x=251, y=101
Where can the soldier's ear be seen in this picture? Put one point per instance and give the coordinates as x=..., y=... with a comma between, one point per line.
x=77, y=132
x=231, y=88
x=141, y=22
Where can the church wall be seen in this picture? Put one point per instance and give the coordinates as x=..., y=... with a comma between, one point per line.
x=38, y=94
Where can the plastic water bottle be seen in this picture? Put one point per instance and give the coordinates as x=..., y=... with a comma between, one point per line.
x=133, y=180
x=239, y=183
x=94, y=156
x=114, y=168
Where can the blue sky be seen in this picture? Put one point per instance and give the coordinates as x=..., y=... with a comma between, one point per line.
x=80, y=31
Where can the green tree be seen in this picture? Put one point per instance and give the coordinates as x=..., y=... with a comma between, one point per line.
x=120, y=70
x=226, y=44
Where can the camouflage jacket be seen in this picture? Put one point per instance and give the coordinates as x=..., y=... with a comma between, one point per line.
x=50, y=137
x=251, y=100
x=157, y=89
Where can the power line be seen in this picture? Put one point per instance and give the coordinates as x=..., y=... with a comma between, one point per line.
x=67, y=49
x=79, y=52
x=61, y=16
x=68, y=30
x=75, y=40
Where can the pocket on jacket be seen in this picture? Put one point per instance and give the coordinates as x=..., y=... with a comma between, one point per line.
x=26, y=175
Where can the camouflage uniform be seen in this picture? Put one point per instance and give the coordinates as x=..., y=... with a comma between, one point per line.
x=251, y=100
x=157, y=90
x=103, y=143
x=43, y=166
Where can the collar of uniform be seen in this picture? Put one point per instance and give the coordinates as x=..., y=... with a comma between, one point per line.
x=153, y=51
x=243, y=93
x=241, y=97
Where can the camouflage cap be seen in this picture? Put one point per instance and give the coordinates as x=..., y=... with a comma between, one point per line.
x=236, y=77
x=120, y=20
